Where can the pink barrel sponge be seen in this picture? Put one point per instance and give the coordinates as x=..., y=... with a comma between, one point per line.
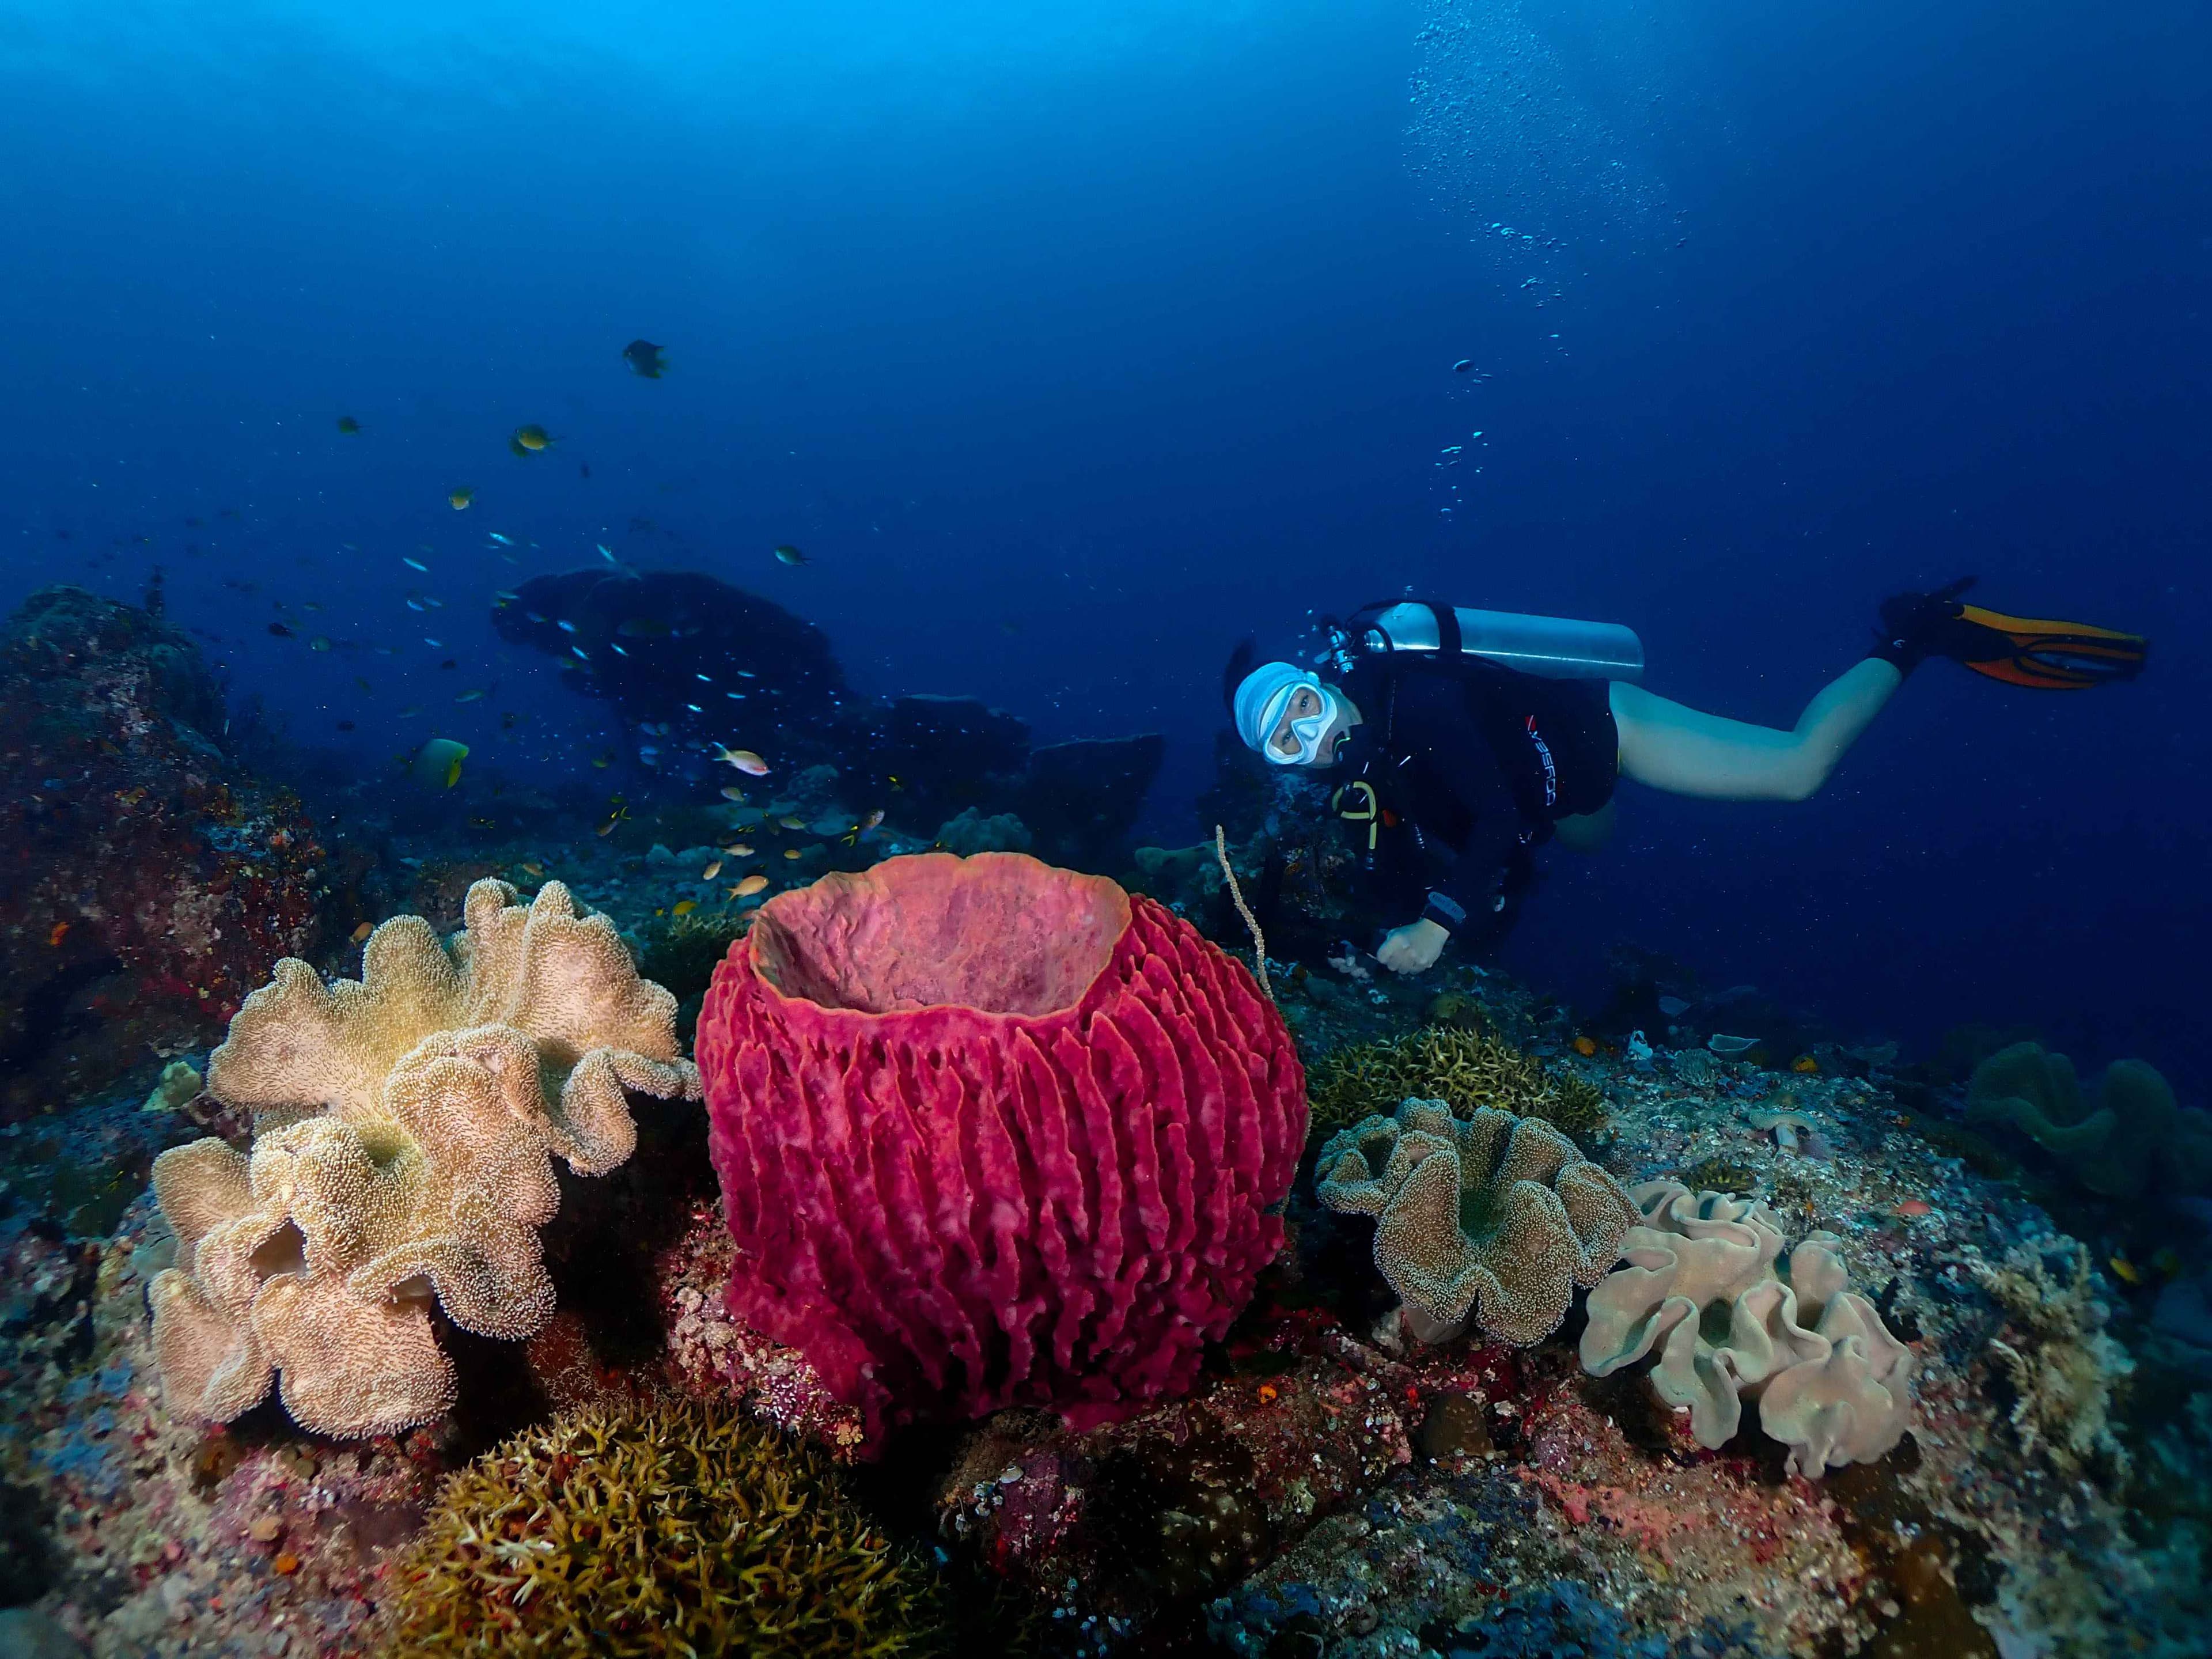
x=991, y=1132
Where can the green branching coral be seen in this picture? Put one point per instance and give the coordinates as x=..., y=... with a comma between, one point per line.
x=1442, y=1062
x=672, y=1529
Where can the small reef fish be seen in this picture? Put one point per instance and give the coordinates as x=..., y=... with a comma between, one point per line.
x=1583, y=1045
x=438, y=762
x=528, y=440
x=413, y=564
x=792, y=852
x=605, y=553
x=2129, y=1272
x=280, y=630
x=500, y=539
x=1462, y=365
x=786, y=554
x=686, y=907
x=1915, y=1206
x=534, y=870
x=470, y=697
x=711, y=871
x=57, y=934
x=748, y=886
x=348, y=425
x=645, y=359
x=793, y=823
x=1805, y=1065
x=319, y=643
x=461, y=498
x=738, y=849
x=744, y=759
x=363, y=932
x=731, y=792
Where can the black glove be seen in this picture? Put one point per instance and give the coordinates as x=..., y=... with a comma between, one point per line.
x=1918, y=626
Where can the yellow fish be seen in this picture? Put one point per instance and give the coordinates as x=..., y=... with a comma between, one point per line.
x=461, y=498
x=748, y=886
x=1805, y=1064
x=529, y=439
x=2129, y=1272
x=791, y=852
x=686, y=907
x=533, y=869
x=711, y=871
x=363, y=932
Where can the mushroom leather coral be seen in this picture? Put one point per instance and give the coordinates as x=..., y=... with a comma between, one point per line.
x=401, y=1152
x=1697, y=1283
x=992, y=1132
x=1492, y=1216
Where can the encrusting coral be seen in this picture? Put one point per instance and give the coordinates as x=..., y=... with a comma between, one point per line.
x=402, y=1151
x=2129, y=1136
x=1445, y=1062
x=672, y=1529
x=2062, y=1366
x=1491, y=1216
x=1698, y=1282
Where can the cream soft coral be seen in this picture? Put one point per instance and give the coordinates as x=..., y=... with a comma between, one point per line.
x=402, y=1154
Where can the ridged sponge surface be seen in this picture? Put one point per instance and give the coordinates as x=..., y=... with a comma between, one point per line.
x=991, y=1132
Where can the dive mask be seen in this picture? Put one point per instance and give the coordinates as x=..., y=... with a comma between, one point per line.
x=1316, y=732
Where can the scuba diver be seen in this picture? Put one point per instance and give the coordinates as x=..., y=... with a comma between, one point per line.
x=1467, y=738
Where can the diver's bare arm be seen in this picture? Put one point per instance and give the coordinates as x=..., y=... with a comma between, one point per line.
x=1686, y=752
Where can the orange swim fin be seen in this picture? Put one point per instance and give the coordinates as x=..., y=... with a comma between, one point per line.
x=2047, y=656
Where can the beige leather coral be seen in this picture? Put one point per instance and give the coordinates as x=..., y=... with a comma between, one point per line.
x=402, y=1153
x=1698, y=1282
x=1492, y=1218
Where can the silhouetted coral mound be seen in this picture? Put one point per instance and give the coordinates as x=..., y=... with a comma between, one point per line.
x=992, y=1132
x=146, y=881
x=641, y=640
x=680, y=1529
x=402, y=1157
x=1490, y=1218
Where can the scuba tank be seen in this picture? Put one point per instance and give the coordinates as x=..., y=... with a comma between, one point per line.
x=1550, y=648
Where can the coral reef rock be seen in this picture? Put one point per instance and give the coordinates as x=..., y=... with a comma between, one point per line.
x=402, y=1151
x=2054, y=1354
x=2129, y=1137
x=1698, y=1284
x=992, y=1133
x=146, y=881
x=677, y=1530
x=1492, y=1218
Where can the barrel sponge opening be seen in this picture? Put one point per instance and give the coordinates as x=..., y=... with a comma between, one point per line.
x=999, y=933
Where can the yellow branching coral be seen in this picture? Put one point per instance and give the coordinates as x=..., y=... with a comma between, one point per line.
x=402, y=1153
x=680, y=1528
x=1442, y=1062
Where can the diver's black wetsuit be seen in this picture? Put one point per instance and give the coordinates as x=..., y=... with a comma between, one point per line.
x=1469, y=769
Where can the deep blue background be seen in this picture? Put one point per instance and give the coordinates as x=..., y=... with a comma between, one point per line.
x=1073, y=346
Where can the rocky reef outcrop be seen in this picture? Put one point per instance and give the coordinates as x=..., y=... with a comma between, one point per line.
x=147, y=880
